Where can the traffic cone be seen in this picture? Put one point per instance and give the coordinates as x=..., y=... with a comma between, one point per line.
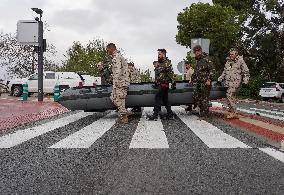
x=56, y=92
x=25, y=91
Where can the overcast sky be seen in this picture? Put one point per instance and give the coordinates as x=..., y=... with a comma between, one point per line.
x=139, y=27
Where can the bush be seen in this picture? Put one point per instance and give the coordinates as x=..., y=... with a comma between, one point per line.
x=251, y=90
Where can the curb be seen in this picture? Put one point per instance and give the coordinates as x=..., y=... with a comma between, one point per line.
x=273, y=138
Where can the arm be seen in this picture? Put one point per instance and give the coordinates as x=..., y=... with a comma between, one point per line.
x=116, y=68
x=222, y=77
x=245, y=72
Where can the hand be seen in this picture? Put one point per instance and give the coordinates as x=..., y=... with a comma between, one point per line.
x=208, y=82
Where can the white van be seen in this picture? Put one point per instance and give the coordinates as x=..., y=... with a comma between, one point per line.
x=65, y=80
x=272, y=90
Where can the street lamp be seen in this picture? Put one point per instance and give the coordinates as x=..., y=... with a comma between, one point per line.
x=40, y=54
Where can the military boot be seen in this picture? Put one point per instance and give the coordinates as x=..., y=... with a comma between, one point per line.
x=123, y=119
x=232, y=115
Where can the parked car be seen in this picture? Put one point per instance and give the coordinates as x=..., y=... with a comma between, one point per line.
x=90, y=80
x=65, y=80
x=272, y=90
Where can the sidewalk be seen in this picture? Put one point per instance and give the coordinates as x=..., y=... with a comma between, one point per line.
x=14, y=112
x=271, y=131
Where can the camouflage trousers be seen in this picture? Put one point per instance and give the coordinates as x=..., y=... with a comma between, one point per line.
x=201, y=98
x=118, y=96
x=231, y=98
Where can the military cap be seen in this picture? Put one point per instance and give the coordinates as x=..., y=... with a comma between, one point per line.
x=197, y=48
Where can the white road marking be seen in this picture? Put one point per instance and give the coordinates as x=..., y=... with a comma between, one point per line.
x=89, y=134
x=209, y=134
x=149, y=134
x=261, y=114
x=269, y=111
x=21, y=136
x=3, y=98
x=274, y=153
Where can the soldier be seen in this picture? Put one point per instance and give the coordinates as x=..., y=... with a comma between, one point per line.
x=235, y=73
x=134, y=77
x=134, y=74
x=163, y=78
x=105, y=73
x=120, y=76
x=202, y=76
x=188, y=75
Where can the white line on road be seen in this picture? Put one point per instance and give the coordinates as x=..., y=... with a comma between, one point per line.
x=209, y=134
x=89, y=134
x=149, y=134
x=274, y=153
x=21, y=136
x=269, y=111
x=261, y=114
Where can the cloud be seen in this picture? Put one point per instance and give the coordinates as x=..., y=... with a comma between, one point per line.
x=139, y=27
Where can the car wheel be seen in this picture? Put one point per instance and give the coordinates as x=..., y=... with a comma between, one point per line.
x=17, y=91
x=265, y=99
x=282, y=98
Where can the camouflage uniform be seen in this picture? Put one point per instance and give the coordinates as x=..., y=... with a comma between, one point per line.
x=120, y=81
x=134, y=76
x=106, y=76
x=203, y=72
x=163, y=77
x=235, y=72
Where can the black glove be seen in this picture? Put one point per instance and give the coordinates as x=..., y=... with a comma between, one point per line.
x=173, y=86
x=155, y=85
x=219, y=83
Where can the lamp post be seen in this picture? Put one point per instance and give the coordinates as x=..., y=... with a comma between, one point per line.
x=40, y=53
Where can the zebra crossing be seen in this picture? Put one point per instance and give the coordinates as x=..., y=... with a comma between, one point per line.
x=148, y=134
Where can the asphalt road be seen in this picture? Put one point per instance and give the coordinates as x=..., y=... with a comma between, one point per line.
x=87, y=153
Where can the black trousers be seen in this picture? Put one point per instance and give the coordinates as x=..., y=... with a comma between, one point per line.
x=161, y=98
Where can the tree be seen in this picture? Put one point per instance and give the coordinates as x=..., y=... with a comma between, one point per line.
x=21, y=60
x=82, y=58
x=146, y=76
x=263, y=37
x=215, y=22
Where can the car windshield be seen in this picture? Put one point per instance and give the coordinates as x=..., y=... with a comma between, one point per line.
x=269, y=85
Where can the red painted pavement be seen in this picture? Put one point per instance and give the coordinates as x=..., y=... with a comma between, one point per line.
x=14, y=112
x=267, y=133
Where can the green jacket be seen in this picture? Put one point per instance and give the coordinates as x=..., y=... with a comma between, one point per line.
x=106, y=76
x=203, y=70
x=164, y=72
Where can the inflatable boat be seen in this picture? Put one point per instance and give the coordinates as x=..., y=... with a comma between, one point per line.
x=97, y=98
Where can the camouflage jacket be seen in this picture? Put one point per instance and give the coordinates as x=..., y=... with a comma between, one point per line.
x=106, y=76
x=203, y=70
x=164, y=72
x=134, y=76
x=120, y=74
x=235, y=72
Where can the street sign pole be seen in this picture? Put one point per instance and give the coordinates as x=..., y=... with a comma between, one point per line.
x=40, y=60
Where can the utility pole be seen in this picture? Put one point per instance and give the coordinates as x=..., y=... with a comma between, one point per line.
x=40, y=54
